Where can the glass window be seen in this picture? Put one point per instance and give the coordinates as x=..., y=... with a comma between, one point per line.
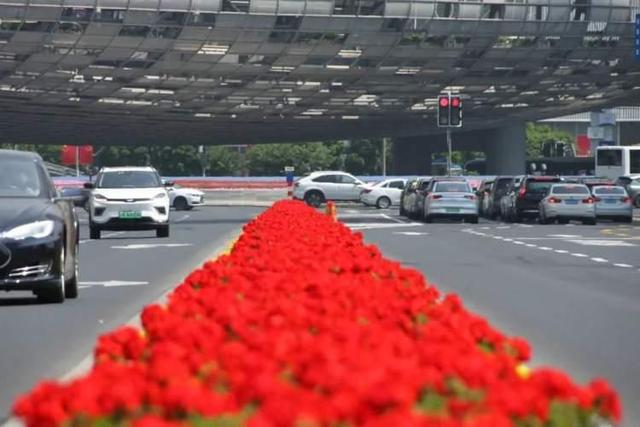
x=326, y=178
x=634, y=161
x=424, y=185
x=452, y=187
x=396, y=184
x=21, y=178
x=610, y=190
x=129, y=179
x=609, y=157
x=539, y=186
x=502, y=184
x=570, y=189
x=345, y=179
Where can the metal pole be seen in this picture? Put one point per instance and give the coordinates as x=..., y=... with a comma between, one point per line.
x=449, y=149
x=384, y=157
x=77, y=160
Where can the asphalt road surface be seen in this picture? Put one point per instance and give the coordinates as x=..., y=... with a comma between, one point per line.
x=573, y=291
x=119, y=274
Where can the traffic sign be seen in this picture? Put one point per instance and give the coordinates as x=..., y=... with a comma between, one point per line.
x=637, y=32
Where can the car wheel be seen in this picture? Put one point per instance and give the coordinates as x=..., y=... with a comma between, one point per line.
x=428, y=219
x=563, y=221
x=314, y=198
x=636, y=201
x=473, y=219
x=162, y=231
x=94, y=232
x=71, y=285
x=627, y=219
x=383, y=202
x=589, y=221
x=56, y=293
x=180, y=203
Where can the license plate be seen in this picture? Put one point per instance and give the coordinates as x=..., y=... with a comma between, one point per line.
x=452, y=210
x=571, y=202
x=129, y=215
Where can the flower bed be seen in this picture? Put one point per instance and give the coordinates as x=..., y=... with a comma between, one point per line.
x=303, y=324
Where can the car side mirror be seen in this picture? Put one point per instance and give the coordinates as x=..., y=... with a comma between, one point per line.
x=88, y=185
x=169, y=183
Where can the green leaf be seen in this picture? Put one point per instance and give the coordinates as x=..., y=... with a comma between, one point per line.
x=432, y=403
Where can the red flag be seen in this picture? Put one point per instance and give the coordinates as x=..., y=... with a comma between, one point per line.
x=68, y=155
x=85, y=155
x=583, y=146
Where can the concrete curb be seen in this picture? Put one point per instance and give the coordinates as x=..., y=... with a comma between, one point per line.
x=86, y=363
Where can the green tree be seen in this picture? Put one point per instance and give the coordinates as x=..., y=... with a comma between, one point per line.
x=537, y=135
x=270, y=159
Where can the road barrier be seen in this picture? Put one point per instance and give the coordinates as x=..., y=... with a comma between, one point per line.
x=303, y=324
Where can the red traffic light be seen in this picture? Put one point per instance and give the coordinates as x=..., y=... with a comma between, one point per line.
x=444, y=101
x=455, y=102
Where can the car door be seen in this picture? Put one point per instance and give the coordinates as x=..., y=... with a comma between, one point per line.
x=348, y=187
x=328, y=184
x=394, y=190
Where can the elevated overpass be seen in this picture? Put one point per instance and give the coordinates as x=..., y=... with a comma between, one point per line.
x=251, y=71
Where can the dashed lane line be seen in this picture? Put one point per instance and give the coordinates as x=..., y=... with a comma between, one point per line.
x=598, y=259
x=623, y=265
x=561, y=251
x=578, y=255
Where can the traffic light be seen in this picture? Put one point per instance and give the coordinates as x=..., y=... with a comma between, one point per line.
x=443, y=111
x=455, y=111
x=449, y=111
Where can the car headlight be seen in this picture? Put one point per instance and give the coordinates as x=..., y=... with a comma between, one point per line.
x=100, y=198
x=35, y=230
x=158, y=196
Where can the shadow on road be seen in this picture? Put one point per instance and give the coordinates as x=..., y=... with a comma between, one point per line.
x=21, y=300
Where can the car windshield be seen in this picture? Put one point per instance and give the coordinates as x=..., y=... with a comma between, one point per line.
x=609, y=190
x=570, y=189
x=129, y=179
x=452, y=187
x=20, y=178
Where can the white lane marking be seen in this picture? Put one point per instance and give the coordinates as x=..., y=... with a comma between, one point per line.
x=498, y=237
x=531, y=245
x=600, y=242
x=152, y=245
x=183, y=218
x=485, y=228
x=504, y=227
x=110, y=284
x=507, y=239
x=564, y=235
x=561, y=251
x=545, y=248
x=580, y=255
x=411, y=233
x=597, y=259
x=525, y=225
x=516, y=242
x=623, y=265
x=569, y=225
x=117, y=233
x=393, y=219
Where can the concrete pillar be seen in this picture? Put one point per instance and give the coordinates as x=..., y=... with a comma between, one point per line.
x=411, y=156
x=506, y=150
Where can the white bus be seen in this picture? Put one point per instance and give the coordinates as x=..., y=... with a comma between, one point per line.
x=617, y=160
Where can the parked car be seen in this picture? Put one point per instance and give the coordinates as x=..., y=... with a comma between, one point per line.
x=496, y=191
x=613, y=202
x=631, y=184
x=506, y=201
x=484, y=190
x=38, y=231
x=182, y=198
x=383, y=194
x=413, y=199
x=318, y=187
x=128, y=198
x=524, y=200
x=564, y=202
x=450, y=199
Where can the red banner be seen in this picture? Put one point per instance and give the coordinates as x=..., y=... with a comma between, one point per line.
x=583, y=146
x=84, y=154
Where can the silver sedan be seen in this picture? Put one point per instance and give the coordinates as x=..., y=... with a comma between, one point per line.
x=565, y=202
x=613, y=202
x=451, y=199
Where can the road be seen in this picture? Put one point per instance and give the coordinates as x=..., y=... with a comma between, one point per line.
x=573, y=291
x=119, y=274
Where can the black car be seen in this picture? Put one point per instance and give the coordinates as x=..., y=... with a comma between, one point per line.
x=526, y=197
x=38, y=231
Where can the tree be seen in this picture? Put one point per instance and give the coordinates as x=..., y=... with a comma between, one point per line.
x=270, y=159
x=537, y=135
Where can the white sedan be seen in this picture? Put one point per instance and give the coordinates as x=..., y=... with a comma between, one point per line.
x=383, y=194
x=182, y=198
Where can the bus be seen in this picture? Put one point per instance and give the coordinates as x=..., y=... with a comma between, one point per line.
x=614, y=161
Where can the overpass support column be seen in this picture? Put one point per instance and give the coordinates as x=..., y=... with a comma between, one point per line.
x=505, y=148
x=411, y=156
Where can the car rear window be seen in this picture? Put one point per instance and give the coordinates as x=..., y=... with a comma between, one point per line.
x=540, y=186
x=570, y=189
x=452, y=187
x=503, y=183
x=609, y=190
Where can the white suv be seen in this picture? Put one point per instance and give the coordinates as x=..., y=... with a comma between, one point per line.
x=128, y=198
x=319, y=187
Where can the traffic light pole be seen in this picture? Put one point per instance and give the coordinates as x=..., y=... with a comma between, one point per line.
x=449, y=151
